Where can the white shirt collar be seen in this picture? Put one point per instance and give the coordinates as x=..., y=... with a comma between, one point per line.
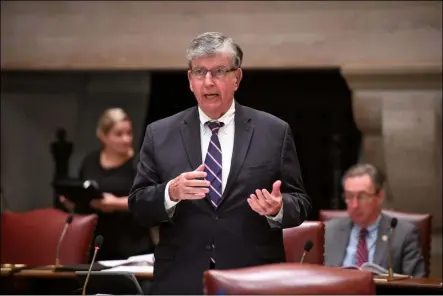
x=225, y=118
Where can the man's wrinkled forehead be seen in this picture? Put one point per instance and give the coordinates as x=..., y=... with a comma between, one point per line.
x=353, y=183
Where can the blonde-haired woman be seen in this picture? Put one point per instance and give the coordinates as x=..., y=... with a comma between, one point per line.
x=113, y=167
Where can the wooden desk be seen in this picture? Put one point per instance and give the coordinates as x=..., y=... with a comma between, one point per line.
x=39, y=273
x=434, y=283
x=404, y=286
x=45, y=282
x=412, y=286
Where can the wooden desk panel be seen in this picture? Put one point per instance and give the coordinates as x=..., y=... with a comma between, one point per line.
x=408, y=286
x=42, y=273
x=412, y=286
x=433, y=283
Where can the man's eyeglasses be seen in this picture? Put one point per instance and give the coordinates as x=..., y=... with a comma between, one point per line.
x=218, y=72
x=361, y=197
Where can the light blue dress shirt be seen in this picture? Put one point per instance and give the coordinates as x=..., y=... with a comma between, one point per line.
x=371, y=239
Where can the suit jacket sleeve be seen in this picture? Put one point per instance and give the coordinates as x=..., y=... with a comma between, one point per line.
x=412, y=260
x=147, y=197
x=296, y=203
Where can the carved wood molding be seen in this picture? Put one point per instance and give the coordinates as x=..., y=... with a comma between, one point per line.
x=367, y=81
x=146, y=35
x=366, y=77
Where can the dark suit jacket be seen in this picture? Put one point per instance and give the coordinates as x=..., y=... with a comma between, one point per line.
x=264, y=152
x=405, y=245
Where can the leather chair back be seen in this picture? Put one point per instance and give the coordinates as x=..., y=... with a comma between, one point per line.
x=294, y=240
x=288, y=279
x=31, y=238
x=422, y=221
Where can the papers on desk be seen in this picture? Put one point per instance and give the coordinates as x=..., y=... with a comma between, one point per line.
x=132, y=268
x=146, y=258
x=140, y=263
x=375, y=269
x=113, y=263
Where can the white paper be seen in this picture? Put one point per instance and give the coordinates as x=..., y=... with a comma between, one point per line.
x=374, y=269
x=113, y=263
x=134, y=260
x=148, y=258
x=132, y=268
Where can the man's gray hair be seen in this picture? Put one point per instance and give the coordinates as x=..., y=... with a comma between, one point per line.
x=210, y=44
x=362, y=169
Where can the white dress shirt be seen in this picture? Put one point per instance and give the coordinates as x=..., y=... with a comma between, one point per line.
x=226, y=137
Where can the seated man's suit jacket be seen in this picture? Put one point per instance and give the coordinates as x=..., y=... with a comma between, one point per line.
x=405, y=245
x=233, y=234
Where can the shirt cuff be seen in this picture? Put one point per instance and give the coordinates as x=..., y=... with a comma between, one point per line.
x=169, y=204
x=275, y=221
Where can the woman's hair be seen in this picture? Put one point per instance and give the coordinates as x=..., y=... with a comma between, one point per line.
x=109, y=118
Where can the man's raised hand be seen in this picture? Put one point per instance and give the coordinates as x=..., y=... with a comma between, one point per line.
x=189, y=185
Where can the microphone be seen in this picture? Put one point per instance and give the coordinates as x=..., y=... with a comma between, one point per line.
x=97, y=245
x=393, y=225
x=62, y=236
x=307, y=248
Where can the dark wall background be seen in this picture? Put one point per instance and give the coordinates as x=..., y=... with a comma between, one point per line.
x=316, y=104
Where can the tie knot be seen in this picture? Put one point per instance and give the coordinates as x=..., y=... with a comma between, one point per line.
x=363, y=233
x=214, y=126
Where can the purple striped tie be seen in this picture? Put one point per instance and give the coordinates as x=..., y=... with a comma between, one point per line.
x=213, y=165
x=362, y=250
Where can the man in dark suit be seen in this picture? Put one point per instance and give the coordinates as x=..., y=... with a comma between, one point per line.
x=221, y=180
x=362, y=237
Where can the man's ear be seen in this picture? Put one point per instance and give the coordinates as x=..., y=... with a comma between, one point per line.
x=189, y=79
x=238, y=77
x=381, y=195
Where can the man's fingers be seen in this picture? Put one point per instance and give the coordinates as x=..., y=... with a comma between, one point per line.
x=194, y=175
x=255, y=204
x=276, y=188
x=200, y=168
x=269, y=198
x=261, y=199
x=194, y=196
x=195, y=190
x=196, y=183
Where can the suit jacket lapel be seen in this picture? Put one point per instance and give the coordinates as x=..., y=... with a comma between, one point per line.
x=341, y=242
x=242, y=138
x=380, y=253
x=190, y=132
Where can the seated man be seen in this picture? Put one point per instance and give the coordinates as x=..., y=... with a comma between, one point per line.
x=362, y=237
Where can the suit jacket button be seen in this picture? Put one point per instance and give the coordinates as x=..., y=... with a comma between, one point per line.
x=216, y=217
x=208, y=247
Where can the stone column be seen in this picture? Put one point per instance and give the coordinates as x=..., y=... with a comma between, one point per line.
x=398, y=111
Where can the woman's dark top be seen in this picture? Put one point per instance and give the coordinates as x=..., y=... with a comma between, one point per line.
x=123, y=236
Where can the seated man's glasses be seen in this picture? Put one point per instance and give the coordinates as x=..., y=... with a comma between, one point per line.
x=360, y=197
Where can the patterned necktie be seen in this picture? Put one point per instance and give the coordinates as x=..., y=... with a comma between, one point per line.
x=213, y=165
x=362, y=255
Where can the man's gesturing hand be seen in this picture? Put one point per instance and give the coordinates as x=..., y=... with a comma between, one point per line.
x=188, y=185
x=265, y=203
